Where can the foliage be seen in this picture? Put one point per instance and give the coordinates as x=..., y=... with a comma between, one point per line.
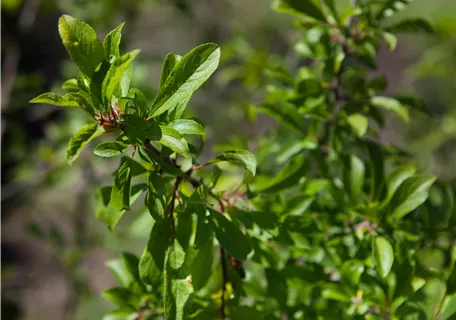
x=335, y=224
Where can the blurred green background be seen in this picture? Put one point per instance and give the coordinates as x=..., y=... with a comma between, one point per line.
x=53, y=248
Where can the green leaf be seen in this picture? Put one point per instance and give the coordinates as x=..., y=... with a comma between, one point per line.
x=243, y=157
x=287, y=177
x=114, y=76
x=277, y=287
x=187, y=76
x=139, y=100
x=384, y=256
x=119, y=315
x=203, y=228
x=110, y=149
x=80, y=139
x=392, y=105
x=285, y=113
x=187, y=126
x=68, y=100
x=395, y=179
x=413, y=25
x=152, y=262
x=70, y=85
x=108, y=215
x=178, y=111
x=112, y=41
x=412, y=193
x=202, y=265
x=125, y=269
x=172, y=139
x=433, y=291
x=178, y=287
x=139, y=129
x=332, y=7
x=390, y=7
x=303, y=8
x=351, y=271
x=448, y=307
x=121, y=190
x=229, y=236
x=170, y=62
x=390, y=39
x=359, y=123
x=82, y=43
x=177, y=296
x=335, y=292
x=96, y=90
x=354, y=175
x=121, y=297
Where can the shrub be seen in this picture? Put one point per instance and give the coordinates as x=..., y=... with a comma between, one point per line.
x=335, y=225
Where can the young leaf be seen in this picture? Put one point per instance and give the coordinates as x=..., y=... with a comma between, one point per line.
x=114, y=76
x=187, y=76
x=391, y=104
x=80, y=139
x=55, y=99
x=110, y=149
x=112, y=41
x=202, y=265
x=139, y=100
x=412, y=193
x=243, y=157
x=384, y=256
x=229, y=236
x=174, y=140
x=120, y=194
x=303, y=8
x=82, y=43
x=168, y=65
x=96, y=86
x=187, y=126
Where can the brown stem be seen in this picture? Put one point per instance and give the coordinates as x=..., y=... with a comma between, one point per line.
x=170, y=209
x=201, y=166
